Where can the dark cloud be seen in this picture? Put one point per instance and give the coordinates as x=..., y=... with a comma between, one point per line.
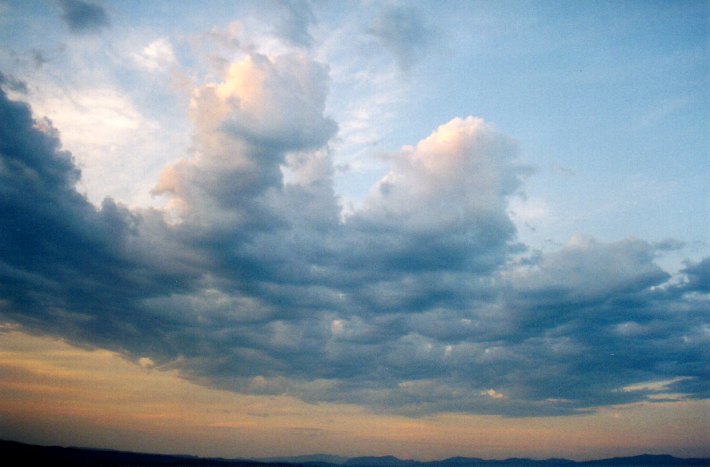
x=698, y=275
x=68, y=268
x=82, y=16
x=412, y=303
x=403, y=32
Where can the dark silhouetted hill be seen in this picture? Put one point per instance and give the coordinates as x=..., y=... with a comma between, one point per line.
x=635, y=461
x=19, y=454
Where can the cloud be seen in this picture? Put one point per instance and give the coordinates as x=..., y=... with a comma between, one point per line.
x=66, y=265
x=698, y=275
x=293, y=19
x=13, y=83
x=156, y=56
x=449, y=195
x=245, y=127
x=402, y=31
x=83, y=17
x=620, y=268
x=417, y=302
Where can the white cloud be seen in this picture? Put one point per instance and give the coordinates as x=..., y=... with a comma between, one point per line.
x=654, y=386
x=245, y=126
x=158, y=56
x=493, y=394
x=461, y=174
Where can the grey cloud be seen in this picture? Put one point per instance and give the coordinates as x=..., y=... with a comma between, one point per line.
x=413, y=304
x=562, y=279
x=698, y=275
x=39, y=58
x=67, y=267
x=403, y=32
x=13, y=83
x=294, y=17
x=290, y=20
x=82, y=16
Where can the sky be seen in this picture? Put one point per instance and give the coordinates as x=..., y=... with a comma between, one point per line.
x=424, y=229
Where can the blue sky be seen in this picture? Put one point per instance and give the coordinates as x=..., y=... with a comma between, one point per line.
x=403, y=207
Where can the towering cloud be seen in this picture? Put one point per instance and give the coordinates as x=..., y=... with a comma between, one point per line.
x=245, y=127
x=443, y=205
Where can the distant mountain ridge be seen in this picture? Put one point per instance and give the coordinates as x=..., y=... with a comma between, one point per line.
x=632, y=461
x=385, y=461
x=307, y=459
x=14, y=453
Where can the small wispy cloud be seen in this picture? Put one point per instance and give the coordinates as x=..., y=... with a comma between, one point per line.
x=403, y=31
x=661, y=112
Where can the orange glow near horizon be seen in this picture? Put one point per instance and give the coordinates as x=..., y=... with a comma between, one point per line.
x=54, y=393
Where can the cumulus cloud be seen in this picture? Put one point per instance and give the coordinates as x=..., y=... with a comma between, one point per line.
x=443, y=205
x=82, y=16
x=254, y=281
x=246, y=126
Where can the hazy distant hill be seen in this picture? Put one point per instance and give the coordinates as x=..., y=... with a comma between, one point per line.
x=15, y=454
x=635, y=461
x=646, y=460
x=309, y=459
x=380, y=461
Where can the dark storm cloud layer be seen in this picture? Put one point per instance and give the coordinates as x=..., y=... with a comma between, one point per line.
x=413, y=303
x=83, y=16
x=62, y=260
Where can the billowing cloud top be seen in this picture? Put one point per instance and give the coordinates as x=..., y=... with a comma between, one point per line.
x=254, y=280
